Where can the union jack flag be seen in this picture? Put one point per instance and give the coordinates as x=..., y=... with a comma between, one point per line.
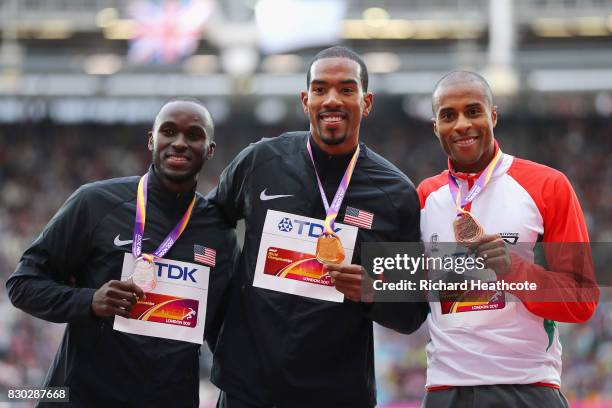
x=204, y=255
x=167, y=30
x=359, y=218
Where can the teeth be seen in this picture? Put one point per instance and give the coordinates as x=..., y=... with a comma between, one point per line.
x=465, y=142
x=332, y=119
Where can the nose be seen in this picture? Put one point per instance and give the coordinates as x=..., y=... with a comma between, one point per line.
x=332, y=99
x=180, y=142
x=462, y=124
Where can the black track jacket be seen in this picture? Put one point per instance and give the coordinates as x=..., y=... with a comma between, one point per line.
x=282, y=350
x=83, y=244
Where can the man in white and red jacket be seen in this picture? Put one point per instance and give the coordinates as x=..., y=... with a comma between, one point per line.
x=506, y=353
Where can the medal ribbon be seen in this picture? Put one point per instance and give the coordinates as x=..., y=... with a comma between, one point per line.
x=139, y=224
x=332, y=210
x=478, y=186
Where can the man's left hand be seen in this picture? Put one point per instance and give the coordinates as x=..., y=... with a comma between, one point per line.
x=493, y=250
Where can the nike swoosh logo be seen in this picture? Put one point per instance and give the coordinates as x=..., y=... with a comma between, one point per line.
x=120, y=242
x=264, y=197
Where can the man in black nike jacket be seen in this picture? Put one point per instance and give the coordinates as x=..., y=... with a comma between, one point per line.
x=278, y=348
x=72, y=273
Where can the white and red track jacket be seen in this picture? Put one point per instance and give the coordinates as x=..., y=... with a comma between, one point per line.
x=518, y=343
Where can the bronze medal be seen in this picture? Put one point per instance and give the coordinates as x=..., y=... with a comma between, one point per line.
x=468, y=230
x=329, y=249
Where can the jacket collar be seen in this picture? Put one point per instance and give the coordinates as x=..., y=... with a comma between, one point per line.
x=331, y=165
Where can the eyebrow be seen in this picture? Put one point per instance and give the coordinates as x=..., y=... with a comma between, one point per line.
x=345, y=81
x=469, y=106
x=196, y=127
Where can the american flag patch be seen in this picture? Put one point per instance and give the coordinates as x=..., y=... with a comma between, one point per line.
x=206, y=256
x=359, y=218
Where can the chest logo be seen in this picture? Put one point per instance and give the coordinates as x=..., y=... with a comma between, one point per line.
x=435, y=239
x=265, y=197
x=121, y=242
x=358, y=218
x=205, y=255
x=510, y=237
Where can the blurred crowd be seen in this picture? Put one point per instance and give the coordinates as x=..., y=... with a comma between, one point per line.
x=42, y=163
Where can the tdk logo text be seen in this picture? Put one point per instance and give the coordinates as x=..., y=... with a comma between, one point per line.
x=312, y=229
x=175, y=272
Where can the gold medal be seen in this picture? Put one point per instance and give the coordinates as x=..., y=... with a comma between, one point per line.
x=144, y=274
x=329, y=249
x=467, y=229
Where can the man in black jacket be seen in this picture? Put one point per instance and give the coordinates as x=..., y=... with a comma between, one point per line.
x=76, y=272
x=281, y=344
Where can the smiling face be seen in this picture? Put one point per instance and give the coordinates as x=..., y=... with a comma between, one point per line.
x=464, y=124
x=181, y=143
x=335, y=104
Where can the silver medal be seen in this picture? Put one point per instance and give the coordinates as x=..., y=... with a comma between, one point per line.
x=144, y=274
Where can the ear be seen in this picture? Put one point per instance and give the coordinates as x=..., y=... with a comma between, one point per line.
x=434, y=126
x=304, y=99
x=211, y=150
x=150, y=142
x=494, y=115
x=368, y=99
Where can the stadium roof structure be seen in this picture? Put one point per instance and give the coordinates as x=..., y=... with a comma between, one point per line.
x=72, y=49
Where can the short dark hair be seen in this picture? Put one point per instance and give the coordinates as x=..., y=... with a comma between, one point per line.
x=455, y=77
x=339, y=51
x=209, y=124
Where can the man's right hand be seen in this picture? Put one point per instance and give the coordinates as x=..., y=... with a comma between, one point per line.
x=116, y=298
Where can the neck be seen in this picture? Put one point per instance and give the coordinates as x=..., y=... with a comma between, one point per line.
x=468, y=168
x=178, y=187
x=336, y=150
x=477, y=166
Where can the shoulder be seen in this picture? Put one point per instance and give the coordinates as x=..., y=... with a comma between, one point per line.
x=431, y=185
x=540, y=181
x=553, y=195
x=206, y=212
x=91, y=202
x=555, y=198
x=266, y=149
x=288, y=142
x=377, y=166
x=391, y=183
x=210, y=220
x=110, y=190
x=528, y=171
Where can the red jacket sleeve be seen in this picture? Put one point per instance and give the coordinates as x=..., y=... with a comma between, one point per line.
x=567, y=289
